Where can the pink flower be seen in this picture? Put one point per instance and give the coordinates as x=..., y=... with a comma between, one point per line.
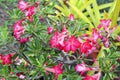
x=24, y=40
x=57, y=70
x=22, y=5
x=71, y=17
x=86, y=47
x=97, y=76
x=111, y=30
x=81, y=68
x=50, y=29
x=18, y=29
x=30, y=11
x=95, y=35
x=64, y=30
x=105, y=23
x=113, y=67
x=57, y=40
x=6, y=59
x=72, y=44
x=106, y=43
x=93, y=77
x=89, y=78
x=118, y=38
x=21, y=75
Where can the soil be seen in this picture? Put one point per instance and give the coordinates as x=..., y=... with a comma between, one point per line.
x=3, y=16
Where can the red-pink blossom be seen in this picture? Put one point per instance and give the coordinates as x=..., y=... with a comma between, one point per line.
x=57, y=40
x=106, y=43
x=21, y=75
x=93, y=77
x=97, y=76
x=105, y=23
x=50, y=29
x=71, y=17
x=86, y=47
x=95, y=35
x=24, y=40
x=57, y=70
x=18, y=29
x=72, y=44
x=118, y=38
x=6, y=59
x=64, y=30
x=113, y=67
x=22, y=5
x=81, y=68
x=30, y=11
x=89, y=78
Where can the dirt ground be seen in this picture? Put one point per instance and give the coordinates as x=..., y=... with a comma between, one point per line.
x=3, y=16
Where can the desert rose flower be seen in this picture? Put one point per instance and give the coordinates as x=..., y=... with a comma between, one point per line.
x=24, y=40
x=95, y=35
x=105, y=23
x=71, y=17
x=106, y=43
x=81, y=67
x=22, y=5
x=89, y=78
x=93, y=77
x=118, y=37
x=50, y=29
x=6, y=59
x=30, y=11
x=57, y=40
x=86, y=47
x=72, y=44
x=21, y=75
x=57, y=70
x=18, y=29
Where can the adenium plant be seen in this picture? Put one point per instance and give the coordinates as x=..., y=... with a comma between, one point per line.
x=51, y=49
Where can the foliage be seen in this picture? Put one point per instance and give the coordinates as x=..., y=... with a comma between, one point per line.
x=61, y=40
x=89, y=10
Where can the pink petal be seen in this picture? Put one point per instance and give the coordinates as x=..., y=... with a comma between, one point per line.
x=22, y=5
x=71, y=17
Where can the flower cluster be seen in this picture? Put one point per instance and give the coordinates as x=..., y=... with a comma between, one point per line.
x=63, y=41
x=85, y=44
x=29, y=11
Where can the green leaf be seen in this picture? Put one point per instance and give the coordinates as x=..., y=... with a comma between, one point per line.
x=60, y=77
x=115, y=13
x=79, y=78
x=80, y=14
